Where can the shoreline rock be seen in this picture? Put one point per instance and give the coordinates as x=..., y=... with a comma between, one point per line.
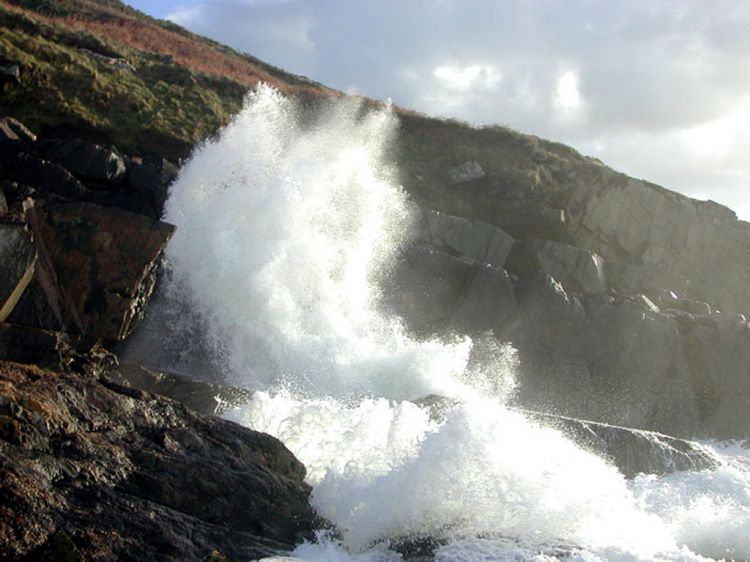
x=123, y=473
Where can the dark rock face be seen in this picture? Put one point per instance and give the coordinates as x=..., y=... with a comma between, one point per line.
x=91, y=469
x=587, y=349
x=151, y=178
x=472, y=240
x=102, y=260
x=88, y=160
x=115, y=473
x=201, y=397
x=47, y=177
x=10, y=74
x=625, y=362
x=82, y=170
x=440, y=293
x=632, y=451
x=46, y=348
x=17, y=256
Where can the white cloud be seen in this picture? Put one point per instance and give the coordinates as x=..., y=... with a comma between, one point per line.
x=294, y=32
x=187, y=16
x=449, y=89
x=657, y=87
x=466, y=78
x=567, y=97
x=716, y=138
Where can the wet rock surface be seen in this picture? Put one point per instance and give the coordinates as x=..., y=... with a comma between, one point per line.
x=632, y=451
x=200, y=396
x=117, y=473
x=104, y=261
x=17, y=256
x=88, y=160
x=150, y=178
x=652, y=360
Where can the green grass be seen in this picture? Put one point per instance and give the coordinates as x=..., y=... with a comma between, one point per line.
x=161, y=107
x=186, y=87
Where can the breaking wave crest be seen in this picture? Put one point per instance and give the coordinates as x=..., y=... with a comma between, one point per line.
x=286, y=223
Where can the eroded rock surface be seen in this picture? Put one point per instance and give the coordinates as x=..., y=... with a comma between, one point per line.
x=103, y=262
x=17, y=256
x=126, y=475
x=587, y=348
x=202, y=397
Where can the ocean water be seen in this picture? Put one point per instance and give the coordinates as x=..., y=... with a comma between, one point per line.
x=286, y=225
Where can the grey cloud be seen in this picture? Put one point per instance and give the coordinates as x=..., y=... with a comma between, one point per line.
x=645, y=69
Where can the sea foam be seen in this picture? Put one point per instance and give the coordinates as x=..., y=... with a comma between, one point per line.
x=287, y=222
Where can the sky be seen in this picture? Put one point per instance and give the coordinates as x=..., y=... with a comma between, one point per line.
x=658, y=89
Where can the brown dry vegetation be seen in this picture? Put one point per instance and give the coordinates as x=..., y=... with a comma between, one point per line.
x=184, y=49
x=181, y=89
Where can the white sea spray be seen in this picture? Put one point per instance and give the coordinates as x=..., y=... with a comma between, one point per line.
x=286, y=221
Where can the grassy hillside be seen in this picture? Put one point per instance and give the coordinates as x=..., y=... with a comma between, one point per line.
x=106, y=70
x=175, y=89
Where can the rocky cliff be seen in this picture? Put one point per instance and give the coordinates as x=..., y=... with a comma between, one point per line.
x=643, y=357
x=627, y=302
x=92, y=469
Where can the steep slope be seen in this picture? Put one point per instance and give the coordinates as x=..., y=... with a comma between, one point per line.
x=624, y=301
x=106, y=69
x=615, y=290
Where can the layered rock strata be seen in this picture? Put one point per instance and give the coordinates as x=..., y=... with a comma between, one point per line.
x=91, y=469
x=106, y=472
x=588, y=348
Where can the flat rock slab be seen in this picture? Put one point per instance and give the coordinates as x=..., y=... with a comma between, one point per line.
x=24, y=344
x=200, y=396
x=633, y=451
x=465, y=172
x=102, y=263
x=17, y=259
x=469, y=239
x=88, y=160
x=114, y=473
x=577, y=269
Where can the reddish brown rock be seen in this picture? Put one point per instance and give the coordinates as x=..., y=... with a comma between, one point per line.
x=103, y=472
x=17, y=256
x=47, y=348
x=87, y=160
x=96, y=265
